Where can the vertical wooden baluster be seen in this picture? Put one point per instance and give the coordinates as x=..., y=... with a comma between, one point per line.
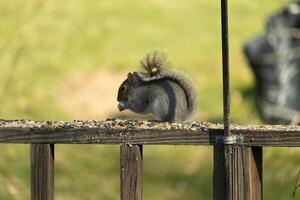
x=131, y=172
x=256, y=168
x=42, y=171
x=245, y=173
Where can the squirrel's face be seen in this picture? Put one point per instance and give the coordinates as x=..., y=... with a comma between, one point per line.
x=132, y=81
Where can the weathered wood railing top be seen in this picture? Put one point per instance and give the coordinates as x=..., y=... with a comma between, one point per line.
x=116, y=131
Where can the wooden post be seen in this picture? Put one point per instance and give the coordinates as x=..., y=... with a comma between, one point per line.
x=237, y=173
x=42, y=171
x=131, y=172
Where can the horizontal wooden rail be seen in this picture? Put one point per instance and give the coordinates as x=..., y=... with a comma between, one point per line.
x=115, y=131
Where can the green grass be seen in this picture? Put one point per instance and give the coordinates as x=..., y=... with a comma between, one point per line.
x=46, y=42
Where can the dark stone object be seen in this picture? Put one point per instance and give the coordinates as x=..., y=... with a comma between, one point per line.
x=274, y=58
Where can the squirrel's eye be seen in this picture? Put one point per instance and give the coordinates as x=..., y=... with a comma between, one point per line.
x=123, y=89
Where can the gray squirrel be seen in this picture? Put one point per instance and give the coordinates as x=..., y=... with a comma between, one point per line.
x=167, y=94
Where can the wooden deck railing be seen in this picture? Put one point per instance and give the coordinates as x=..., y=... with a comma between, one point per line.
x=245, y=153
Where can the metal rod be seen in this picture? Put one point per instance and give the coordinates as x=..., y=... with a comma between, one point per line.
x=225, y=64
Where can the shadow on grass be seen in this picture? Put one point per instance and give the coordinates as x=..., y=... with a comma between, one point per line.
x=248, y=95
x=179, y=185
x=169, y=172
x=178, y=173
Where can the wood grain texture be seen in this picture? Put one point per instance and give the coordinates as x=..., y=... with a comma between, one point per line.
x=256, y=169
x=131, y=172
x=237, y=173
x=42, y=171
x=142, y=132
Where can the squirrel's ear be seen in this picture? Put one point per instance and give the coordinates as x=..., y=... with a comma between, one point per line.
x=136, y=78
x=130, y=77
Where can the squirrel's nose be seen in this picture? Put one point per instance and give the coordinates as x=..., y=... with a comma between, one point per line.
x=121, y=106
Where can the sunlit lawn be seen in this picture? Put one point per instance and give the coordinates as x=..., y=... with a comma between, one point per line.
x=44, y=43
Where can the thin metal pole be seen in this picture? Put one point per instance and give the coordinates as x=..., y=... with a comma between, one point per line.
x=225, y=63
x=228, y=187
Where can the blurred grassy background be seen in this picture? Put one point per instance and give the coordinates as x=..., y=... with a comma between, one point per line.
x=53, y=55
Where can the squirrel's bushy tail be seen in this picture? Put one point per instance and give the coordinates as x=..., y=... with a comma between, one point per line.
x=156, y=66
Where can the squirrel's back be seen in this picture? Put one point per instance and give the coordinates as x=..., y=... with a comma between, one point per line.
x=157, y=71
x=186, y=84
